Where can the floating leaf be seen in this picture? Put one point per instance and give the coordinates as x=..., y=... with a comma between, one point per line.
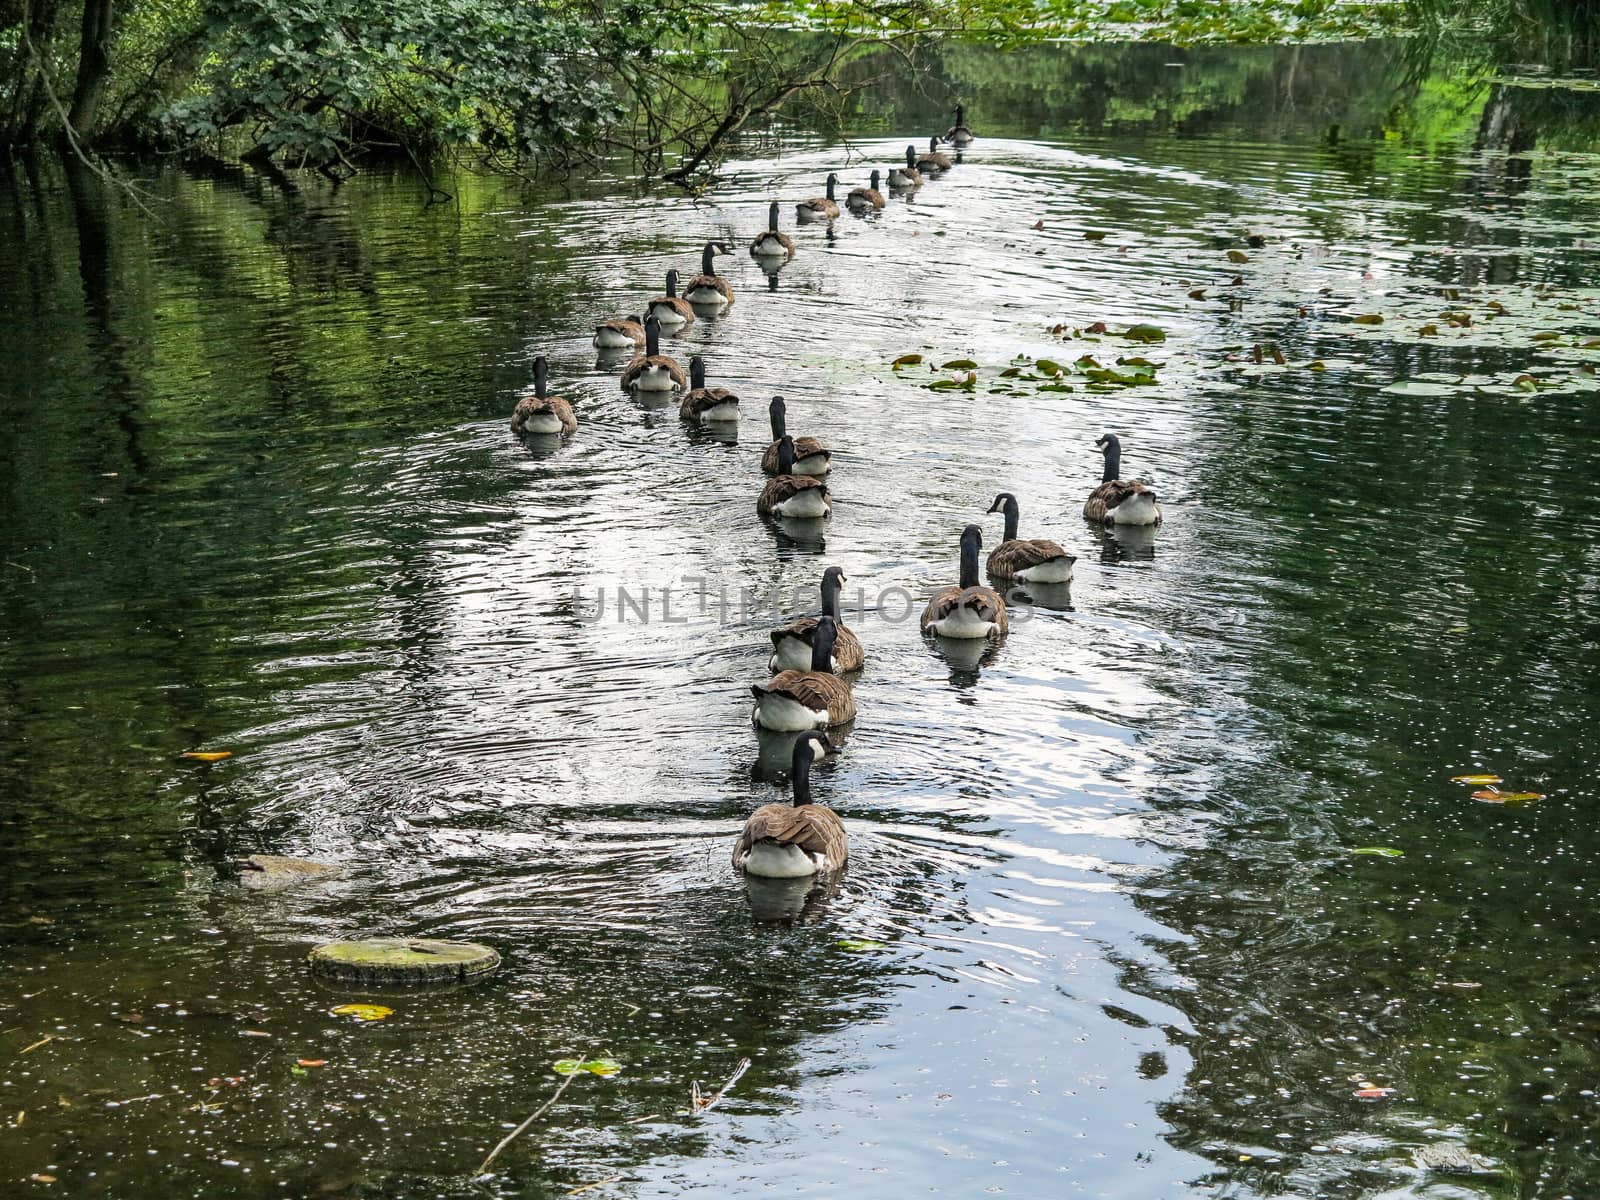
x=1238, y=256
x=1367, y=319
x=906, y=360
x=1010, y=372
x=1048, y=366
x=1474, y=779
x=959, y=364
x=1317, y=365
x=1094, y=235
x=1495, y=796
x=312, y=1062
x=594, y=1066
x=1373, y=1093
x=1525, y=383
x=859, y=945
x=1380, y=851
x=363, y=1012
x=207, y=755
x=1429, y=330
x=1198, y=294
x=1145, y=333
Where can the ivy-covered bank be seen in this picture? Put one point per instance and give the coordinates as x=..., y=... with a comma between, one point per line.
x=520, y=86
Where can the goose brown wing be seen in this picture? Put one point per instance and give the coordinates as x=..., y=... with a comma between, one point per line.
x=1108, y=495
x=811, y=827
x=698, y=400
x=639, y=365
x=717, y=282
x=804, y=447
x=531, y=406
x=629, y=329
x=816, y=690
x=772, y=235
x=1021, y=553
x=677, y=304
x=847, y=652
x=986, y=602
x=787, y=487
x=944, y=602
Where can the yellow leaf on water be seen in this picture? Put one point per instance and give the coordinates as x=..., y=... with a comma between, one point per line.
x=363, y=1012
x=1475, y=779
x=1367, y=319
x=207, y=755
x=1238, y=256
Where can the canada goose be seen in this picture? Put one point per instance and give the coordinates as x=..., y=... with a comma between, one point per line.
x=1119, y=501
x=671, y=309
x=791, y=645
x=701, y=403
x=907, y=176
x=967, y=610
x=809, y=456
x=708, y=287
x=819, y=208
x=619, y=333
x=540, y=413
x=934, y=161
x=790, y=495
x=1032, y=561
x=791, y=841
x=652, y=371
x=867, y=198
x=814, y=699
x=958, y=134
x=769, y=242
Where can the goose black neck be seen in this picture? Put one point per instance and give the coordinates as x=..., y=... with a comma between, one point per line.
x=785, y=455
x=540, y=371
x=772, y=217
x=672, y=283
x=1012, y=514
x=1113, y=452
x=961, y=115
x=775, y=410
x=697, y=372
x=911, y=157
x=652, y=337
x=830, y=595
x=830, y=187
x=874, y=183
x=705, y=261
x=822, y=646
x=933, y=143
x=800, y=770
x=969, y=558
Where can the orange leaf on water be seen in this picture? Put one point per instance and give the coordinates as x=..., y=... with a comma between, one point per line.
x=313, y=1062
x=207, y=755
x=1374, y=1093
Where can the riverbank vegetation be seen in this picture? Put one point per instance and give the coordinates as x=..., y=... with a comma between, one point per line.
x=516, y=87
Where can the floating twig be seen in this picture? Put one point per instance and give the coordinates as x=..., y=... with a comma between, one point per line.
x=706, y=1104
x=591, y=1186
x=49, y=1037
x=520, y=1129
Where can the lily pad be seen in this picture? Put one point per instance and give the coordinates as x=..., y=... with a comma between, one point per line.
x=603, y=1067
x=906, y=360
x=1380, y=851
x=1145, y=333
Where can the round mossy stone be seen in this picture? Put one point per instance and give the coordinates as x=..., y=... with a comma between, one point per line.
x=403, y=960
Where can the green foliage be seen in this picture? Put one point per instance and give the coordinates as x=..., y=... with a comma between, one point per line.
x=312, y=78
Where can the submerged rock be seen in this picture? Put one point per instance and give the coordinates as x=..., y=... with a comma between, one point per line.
x=1452, y=1158
x=274, y=872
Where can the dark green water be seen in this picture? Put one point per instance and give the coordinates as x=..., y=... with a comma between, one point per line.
x=260, y=496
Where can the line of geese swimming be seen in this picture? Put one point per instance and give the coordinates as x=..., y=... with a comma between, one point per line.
x=815, y=659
